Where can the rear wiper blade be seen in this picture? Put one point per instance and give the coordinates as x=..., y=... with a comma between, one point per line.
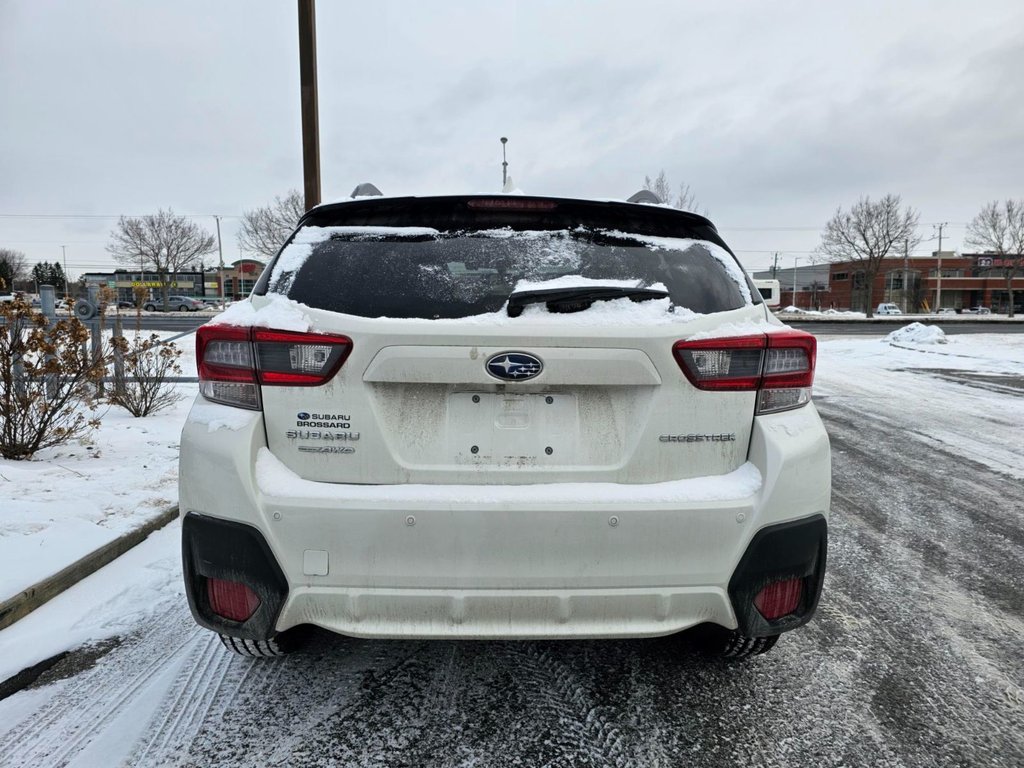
x=579, y=298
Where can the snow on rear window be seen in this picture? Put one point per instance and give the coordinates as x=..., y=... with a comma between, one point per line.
x=422, y=273
x=681, y=244
x=299, y=249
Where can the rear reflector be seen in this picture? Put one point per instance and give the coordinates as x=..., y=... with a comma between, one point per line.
x=233, y=362
x=779, y=366
x=231, y=599
x=780, y=598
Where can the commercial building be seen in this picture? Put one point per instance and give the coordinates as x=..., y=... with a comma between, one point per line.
x=238, y=280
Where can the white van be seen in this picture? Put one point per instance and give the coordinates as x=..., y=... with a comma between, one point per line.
x=888, y=309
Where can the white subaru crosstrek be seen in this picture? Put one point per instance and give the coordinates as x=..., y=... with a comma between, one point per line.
x=503, y=417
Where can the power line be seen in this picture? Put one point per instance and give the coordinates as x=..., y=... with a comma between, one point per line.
x=108, y=215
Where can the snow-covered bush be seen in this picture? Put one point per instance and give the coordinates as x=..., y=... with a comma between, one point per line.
x=141, y=375
x=47, y=384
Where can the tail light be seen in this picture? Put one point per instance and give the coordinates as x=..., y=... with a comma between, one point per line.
x=778, y=366
x=234, y=362
x=231, y=599
x=779, y=598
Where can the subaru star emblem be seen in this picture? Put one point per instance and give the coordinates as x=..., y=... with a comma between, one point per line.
x=303, y=416
x=514, y=366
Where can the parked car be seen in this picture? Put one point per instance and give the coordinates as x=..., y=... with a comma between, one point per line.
x=174, y=304
x=214, y=302
x=888, y=308
x=945, y=311
x=503, y=417
x=978, y=311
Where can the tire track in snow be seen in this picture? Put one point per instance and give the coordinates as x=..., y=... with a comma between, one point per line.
x=67, y=724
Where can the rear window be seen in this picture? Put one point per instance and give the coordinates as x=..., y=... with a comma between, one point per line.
x=423, y=273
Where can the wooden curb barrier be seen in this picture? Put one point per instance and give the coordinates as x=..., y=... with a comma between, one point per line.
x=22, y=604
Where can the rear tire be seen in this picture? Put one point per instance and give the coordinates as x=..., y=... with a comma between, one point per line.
x=271, y=648
x=731, y=645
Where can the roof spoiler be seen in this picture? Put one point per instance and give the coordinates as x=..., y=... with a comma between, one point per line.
x=645, y=196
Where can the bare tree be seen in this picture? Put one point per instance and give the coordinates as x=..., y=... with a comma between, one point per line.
x=162, y=243
x=686, y=200
x=999, y=229
x=265, y=229
x=13, y=268
x=867, y=234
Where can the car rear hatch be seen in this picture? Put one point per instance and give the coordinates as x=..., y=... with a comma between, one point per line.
x=386, y=350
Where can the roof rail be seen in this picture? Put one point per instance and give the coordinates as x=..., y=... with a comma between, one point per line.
x=645, y=196
x=366, y=189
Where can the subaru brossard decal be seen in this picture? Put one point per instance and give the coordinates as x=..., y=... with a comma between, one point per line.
x=514, y=366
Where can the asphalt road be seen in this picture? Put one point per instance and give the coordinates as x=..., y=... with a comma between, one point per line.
x=916, y=658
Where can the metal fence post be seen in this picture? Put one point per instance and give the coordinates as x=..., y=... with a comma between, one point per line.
x=48, y=305
x=118, y=358
x=96, y=328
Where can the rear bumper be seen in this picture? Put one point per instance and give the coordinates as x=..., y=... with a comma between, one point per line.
x=397, y=566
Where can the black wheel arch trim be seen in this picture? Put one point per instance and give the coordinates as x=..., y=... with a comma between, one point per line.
x=225, y=549
x=794, y=549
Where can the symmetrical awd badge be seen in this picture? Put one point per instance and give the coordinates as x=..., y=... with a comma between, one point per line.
x=514, y=366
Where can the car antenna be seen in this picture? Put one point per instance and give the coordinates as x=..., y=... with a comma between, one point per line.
x=645, y=196
x=366, y=189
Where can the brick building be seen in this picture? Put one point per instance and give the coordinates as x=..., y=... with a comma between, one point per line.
x=968, y=280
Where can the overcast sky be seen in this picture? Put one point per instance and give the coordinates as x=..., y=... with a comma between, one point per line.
x=774, y=113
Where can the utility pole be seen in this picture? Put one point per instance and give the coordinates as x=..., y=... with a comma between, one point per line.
x=906, y=275
x=775, y=264
x=220, y=270
x=794, y=280
x=64, y=250
x=310, y=114
x=938, y=271
x=504, y=164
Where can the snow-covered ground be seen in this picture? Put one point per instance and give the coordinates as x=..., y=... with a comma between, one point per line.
x=72, y=499
x=952, y=393
x=962, y=396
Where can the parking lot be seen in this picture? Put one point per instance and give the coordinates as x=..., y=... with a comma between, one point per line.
x=915, y=657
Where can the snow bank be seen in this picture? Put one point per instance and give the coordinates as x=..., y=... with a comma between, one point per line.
x=73, y=498
x=275, y=479
x=917, y=333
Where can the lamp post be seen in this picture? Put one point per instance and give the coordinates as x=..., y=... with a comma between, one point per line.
x=938, y=270
x=220, y=271
x=504, y=164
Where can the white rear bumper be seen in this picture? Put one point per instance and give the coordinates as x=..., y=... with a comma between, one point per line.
x=365, y=562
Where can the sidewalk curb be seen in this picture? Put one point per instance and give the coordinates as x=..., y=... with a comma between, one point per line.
x=26, y=601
